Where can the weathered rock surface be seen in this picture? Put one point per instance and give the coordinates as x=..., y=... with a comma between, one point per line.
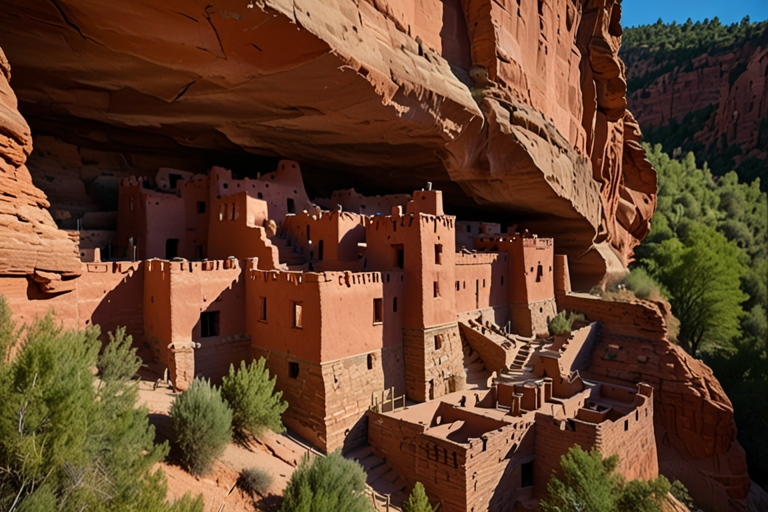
x=522, y=104
x=735, y=83
x=30, y=242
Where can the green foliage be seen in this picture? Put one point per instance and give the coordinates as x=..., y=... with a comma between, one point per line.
x=326, y=484
x=591, y=483
x=67, y=441
x=254, y=481
x=256, y=407
x=562, y=323
x=118, y=361
x=680, y=492
x=202, y=424
x=702, y=275
x=418, y=501
x=642, y=284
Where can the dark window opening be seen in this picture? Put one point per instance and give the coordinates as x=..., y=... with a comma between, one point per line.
x=469, y=229
x=370, y=361
x=399, y=256
x=502, y=280
x=232, y=213
x=320, y=250
x=171, y=248
x=199, y=252
x=309, y=237
x=209, y=324
x=259, y=195
x=526, y=475
x=263, y=309
x=626, y=425
x=438, y=342
x=378, y=311
x=297, y=315
x=174, y=179
x=201, y=207
x=539, y=273
x=458, y=286
x=291, y=205
x=436, y=289
x=293, y=370
x=394, y=304
x=438, y=254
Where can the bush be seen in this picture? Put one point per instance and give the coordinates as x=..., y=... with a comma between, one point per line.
x=254, y=481
x=202, y=423
x=642, y=284
x=562, y=324
x=418, y=501
x=590, y=483
x=68, y=442
x=680, y=492
x=250, y=393
x=326, y=484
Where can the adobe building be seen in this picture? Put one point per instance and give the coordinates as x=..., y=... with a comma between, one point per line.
x=385, y=320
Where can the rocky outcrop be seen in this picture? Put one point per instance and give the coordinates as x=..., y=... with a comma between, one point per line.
x=30, y=242
x=732, y=85
x=517, y=107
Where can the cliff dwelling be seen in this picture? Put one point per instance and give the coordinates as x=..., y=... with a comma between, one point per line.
x=387, y=202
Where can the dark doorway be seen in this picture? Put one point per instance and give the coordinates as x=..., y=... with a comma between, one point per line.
x=209, y=324
x=399, y=256
x=320, y=250
x=526, y=475
x=171, y=248
x=291, y=206
x=174, y=179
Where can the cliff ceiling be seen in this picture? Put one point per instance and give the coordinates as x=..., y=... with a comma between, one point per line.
x=513, y=107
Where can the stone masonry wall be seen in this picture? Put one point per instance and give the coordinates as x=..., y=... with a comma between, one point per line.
x=433, y=362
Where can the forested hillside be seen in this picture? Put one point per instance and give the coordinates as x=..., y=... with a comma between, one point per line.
x=708, y=254
x=702, y=87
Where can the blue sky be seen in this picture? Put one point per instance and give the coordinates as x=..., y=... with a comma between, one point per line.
x=645, y=12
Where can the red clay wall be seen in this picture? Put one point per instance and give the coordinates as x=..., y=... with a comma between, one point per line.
x=339, y=233
x=482, y=281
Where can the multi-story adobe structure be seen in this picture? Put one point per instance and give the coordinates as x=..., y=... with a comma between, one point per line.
x=352, y=309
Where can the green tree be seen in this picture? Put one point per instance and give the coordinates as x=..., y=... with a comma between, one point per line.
x=68, y=441
x=202, y=424
x=591, y=483
x=418, y=501
x=250, y=393
x=702, y=276
x=326, y=484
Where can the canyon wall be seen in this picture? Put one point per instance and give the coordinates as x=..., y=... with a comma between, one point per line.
x=514, y=107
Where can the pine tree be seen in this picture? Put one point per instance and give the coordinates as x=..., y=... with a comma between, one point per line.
x=256, y=407
x=418, y=501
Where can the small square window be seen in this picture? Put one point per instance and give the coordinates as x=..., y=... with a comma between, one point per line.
x=293, y=370
x=263, y=309
x=209, y=324
x=201, y=207
x=378, y=311
x=297, y=315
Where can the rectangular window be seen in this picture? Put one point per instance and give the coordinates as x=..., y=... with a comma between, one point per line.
x=171, y=248
x=526, y=475
x=293, y=370
x=297, y=315
x=458, y=286
x=394, y=304
x=438, y=342
x=263, y=309
x=399, y=256
x=291, y=205
x=201, y=207
x=174, y=179
x=438, y=254
x=435, y=289
x=320, y=250
x=199, y=252
x=209, y=324
x=378, y=311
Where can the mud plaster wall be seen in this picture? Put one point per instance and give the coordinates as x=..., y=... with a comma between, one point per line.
x=482, y=281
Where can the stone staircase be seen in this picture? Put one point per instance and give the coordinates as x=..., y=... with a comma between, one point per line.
x=477, y=373
x=385, y=488
x=289, y=256
x=520, y=368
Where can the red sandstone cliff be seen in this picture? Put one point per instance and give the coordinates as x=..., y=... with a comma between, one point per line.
x=30, y=242
x=735, y=83
x=517, y=107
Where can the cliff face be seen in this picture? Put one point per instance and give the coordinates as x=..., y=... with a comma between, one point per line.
x=728, y=92
x=30, y=242
x=520, y=104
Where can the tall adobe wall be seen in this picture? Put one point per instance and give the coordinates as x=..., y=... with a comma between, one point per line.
x=517, y=107
x=29, y=239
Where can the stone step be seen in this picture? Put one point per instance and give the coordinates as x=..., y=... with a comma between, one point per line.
x=359, y=453
x=371, y=462
x=377, y=473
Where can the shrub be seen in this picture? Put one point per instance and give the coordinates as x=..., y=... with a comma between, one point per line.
x=326, y=484
x=250, y=393
x=591, y=483
x=642, y=284
x=680, y=492
x=418, y=501
x=562, y=324
x=202, y=424
x=254, y=481
x=66, y=441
